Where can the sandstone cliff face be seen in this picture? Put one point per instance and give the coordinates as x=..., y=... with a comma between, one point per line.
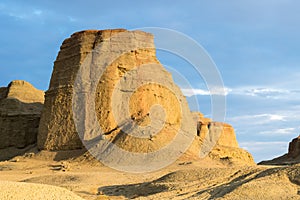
x=20, y=109
x=57, y=130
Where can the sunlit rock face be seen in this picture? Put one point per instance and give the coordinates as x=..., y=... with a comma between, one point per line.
x=132, y=99
x=156, y=99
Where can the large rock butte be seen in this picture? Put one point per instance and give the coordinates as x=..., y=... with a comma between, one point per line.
x=57, y=129
x=20, y=109
x=130, y=59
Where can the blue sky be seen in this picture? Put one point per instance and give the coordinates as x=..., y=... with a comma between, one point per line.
x=255, y=45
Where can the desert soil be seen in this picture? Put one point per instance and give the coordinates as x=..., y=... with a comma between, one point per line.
x=43, y=176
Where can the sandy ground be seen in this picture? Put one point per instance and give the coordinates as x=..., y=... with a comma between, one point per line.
x=34, y=191
x=21, y=178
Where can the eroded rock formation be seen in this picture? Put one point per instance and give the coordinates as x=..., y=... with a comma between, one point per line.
x=57, y=129
x=223, y=137
x=130, y=69
x=294, y=148
x=20, y=108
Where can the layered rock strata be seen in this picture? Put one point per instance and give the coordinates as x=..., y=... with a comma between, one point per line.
x=133, y=61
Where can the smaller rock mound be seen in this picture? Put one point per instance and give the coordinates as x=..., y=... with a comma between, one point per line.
x=20, y=109
x=225, y=148
x=24, y=92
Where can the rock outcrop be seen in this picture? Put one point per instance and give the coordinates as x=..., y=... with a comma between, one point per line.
x=20, y=108
x=223, y=140
x=131, y=72
x=57, y=129
x=294, y=148
x=292, y=157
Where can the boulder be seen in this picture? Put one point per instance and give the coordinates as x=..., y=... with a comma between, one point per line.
x=20, y=109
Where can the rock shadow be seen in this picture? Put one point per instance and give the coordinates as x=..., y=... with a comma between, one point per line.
x=131, y=191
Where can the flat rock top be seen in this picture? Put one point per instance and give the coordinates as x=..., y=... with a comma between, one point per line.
x=98, y=31
x=106, y=31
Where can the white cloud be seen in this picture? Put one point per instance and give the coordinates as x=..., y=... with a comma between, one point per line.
x=273, y=117
x=267, y=92
x=21, y=13
x=280, y=131
x=214, y=91
x=259, y=118
x=192, y=92
x=33, y=13
x=254, y=91
x=260, y=146
x=37, y=12
x=72, y=19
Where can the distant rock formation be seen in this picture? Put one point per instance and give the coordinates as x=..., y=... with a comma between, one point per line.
x=20, y=109
x=294, y=148
x=292, y=157
x=226, y=147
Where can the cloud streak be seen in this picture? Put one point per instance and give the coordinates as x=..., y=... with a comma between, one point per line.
x=23, y=13
x=214, y=91
x=259, y=118
x=280, y=131
x=251, y=91
x=266, y=92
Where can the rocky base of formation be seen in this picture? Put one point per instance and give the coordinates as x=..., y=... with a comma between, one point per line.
x=290, y=158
